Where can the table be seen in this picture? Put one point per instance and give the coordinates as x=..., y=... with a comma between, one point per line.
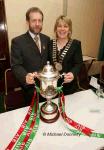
x=89, y=60
x=83, y=107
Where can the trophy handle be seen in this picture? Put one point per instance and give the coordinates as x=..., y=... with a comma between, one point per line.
x=62, y=76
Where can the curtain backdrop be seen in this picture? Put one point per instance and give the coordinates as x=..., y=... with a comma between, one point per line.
x=101, y=48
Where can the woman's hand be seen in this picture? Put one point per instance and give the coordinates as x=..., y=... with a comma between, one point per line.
x=68, y=77
x=30, y=77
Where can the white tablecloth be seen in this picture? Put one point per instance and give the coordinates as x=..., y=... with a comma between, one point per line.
x=83, y=107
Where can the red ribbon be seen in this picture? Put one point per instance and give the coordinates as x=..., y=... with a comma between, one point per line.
x=71, y=122
x=20, y=130
x=31, y=127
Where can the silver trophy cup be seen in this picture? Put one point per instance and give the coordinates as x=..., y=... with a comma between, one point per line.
x=48, y=83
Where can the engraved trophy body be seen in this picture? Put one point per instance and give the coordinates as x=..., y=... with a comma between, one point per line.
x=48, y=84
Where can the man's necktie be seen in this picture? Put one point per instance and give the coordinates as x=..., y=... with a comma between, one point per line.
x=36, y=39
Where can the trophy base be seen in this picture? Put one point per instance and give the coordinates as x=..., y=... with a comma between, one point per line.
x=49, y=112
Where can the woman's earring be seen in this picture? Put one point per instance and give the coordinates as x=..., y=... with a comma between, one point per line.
x=69, y=32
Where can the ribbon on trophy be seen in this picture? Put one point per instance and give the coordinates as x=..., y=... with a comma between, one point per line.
x=81, y=130
x=29, y=126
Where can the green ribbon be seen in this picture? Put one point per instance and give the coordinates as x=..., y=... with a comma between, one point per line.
x=37, y=89
x=76, y=132
x=59, y=89
x=32, y=135
x=22, y=136
x=34, y=130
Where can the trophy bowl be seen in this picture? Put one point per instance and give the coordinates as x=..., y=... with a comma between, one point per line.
x=48, y=83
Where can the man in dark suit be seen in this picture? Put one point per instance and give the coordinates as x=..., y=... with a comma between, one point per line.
x=29, y=52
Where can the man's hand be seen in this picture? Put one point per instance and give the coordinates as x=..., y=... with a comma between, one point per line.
x=30, y=77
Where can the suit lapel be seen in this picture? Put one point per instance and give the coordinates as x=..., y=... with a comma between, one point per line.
x=33, y=46
x=31, y=43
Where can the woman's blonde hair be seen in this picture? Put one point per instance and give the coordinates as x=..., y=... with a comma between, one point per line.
x=67, y=21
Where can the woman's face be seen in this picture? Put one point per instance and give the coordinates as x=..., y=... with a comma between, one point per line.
x=62, y=30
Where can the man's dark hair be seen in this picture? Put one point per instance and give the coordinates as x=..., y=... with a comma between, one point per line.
x=33, y=9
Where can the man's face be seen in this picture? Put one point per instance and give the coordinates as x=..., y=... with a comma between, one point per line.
x=35, y=22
